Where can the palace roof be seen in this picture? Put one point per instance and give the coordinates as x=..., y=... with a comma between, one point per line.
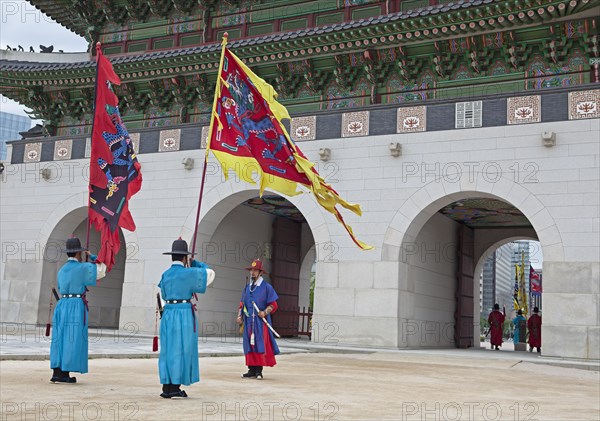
x=438, y=39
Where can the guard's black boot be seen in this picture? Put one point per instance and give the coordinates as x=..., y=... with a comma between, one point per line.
x=66, y=380
x=176, y=392
x=56, y=374
x=59, y=376
x=166, y=391
x=179, y=394
x=251, y=374
x=259, y=375
x=66, y=376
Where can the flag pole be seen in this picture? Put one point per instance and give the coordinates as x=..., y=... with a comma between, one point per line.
x=89, y=222
x=210, y=130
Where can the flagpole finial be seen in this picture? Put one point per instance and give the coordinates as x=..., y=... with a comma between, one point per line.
x=224, y=40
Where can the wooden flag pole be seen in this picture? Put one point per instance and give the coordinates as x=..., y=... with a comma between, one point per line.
x=210, y=130
x=87, y=237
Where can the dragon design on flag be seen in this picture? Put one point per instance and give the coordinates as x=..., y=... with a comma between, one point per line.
x=119, y=144
x=240, y=112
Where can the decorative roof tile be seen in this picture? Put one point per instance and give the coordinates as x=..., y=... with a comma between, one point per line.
x=61, y=11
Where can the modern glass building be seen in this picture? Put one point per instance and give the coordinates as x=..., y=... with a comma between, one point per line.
x=498, y=279
x=10, y=126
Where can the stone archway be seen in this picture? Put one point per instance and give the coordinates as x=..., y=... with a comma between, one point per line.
x=224, y=197
x=426, y=201
x=482, y=252
x=217, y=241
x=68, y=218
x=54, y=257
x=424, y=204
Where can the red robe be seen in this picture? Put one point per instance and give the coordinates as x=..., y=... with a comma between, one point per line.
x=534, y=325
x=496, y=319
x=268, y=358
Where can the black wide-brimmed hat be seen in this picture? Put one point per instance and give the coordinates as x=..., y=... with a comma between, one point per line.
x=74, y=245
x=179, y=247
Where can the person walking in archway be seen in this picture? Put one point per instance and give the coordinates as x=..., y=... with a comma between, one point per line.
x=178, y=358
x=69, y=348
x=496, y=321
x=534, y=325
x=259, y=300
x=517, y=322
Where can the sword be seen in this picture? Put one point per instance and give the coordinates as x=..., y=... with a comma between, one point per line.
x=159, y=304
x=49, y=324
x=264, y=319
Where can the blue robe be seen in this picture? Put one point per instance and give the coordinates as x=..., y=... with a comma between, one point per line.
x=69, y=348
x=262, y=295
x=178, y=359
x=515, y=321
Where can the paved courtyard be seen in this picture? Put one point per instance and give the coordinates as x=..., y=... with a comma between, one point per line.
x=398, y=385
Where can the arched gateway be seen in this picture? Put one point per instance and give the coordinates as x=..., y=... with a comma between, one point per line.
x=429, y=121
x=237, y=226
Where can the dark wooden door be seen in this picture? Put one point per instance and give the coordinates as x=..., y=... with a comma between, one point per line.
x=463, y=315
x=285, y=274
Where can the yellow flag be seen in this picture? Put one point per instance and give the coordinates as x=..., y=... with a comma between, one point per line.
x=246, y=135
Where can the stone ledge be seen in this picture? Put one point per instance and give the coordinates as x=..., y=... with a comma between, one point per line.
x=410, y=120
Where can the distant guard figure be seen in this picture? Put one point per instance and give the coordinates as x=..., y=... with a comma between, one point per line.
x=534, y=325
x=496, y=320
x=517, y=321
x=178, y=359
x=259, y=300
x=69, y=348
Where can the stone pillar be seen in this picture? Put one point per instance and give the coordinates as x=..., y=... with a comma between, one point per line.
x=356, y=303
x=21, y=290
x=138, y=302
x=571, y=310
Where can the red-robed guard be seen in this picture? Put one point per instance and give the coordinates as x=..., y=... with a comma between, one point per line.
x=496, y=320
x=259, y=300
x=534, y=326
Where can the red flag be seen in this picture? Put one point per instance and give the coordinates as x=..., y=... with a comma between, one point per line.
x=536, y=281
x=115, y=173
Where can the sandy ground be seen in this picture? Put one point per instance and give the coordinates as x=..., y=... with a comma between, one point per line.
x=399, y=386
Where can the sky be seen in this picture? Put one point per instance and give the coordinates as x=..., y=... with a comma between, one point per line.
x=22, y=24
x=535, y=255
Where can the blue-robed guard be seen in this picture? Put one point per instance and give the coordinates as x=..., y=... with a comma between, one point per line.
x=259, y=300
x=178, y=359
x=69, y=348
x=517, y=322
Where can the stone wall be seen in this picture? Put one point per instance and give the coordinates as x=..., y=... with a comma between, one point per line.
x=359, y=297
